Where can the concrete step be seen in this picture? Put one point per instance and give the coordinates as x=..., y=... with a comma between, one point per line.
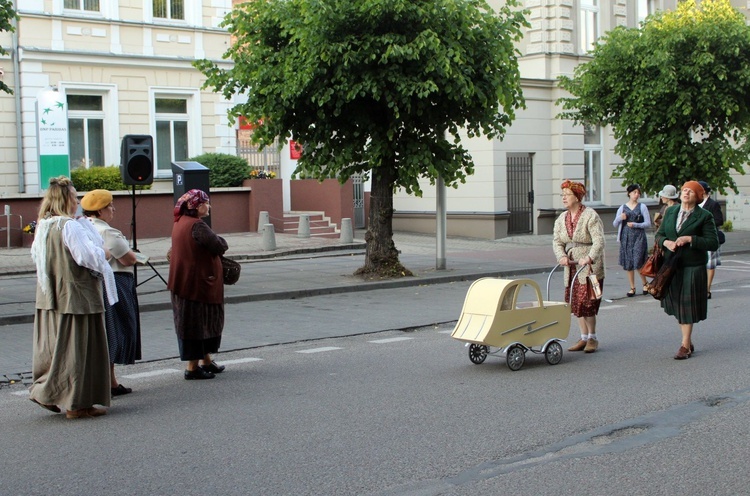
x=320, y=225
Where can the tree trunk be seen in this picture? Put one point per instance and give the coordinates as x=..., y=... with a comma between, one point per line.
x=381, y=259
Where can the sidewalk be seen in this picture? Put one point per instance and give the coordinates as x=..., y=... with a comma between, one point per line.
x=301, y=267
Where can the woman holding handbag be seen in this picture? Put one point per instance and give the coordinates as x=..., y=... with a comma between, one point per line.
x=631, y=222
x=581, y=228
x=196, y=281
x=690, y=227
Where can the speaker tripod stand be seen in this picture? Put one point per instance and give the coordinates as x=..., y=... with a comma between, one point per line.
x=135, y=249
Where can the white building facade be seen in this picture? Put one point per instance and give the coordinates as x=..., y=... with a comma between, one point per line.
x=124, y=67
x=516, y=185
x=120, y=67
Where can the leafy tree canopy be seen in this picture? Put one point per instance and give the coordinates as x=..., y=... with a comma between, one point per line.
x=675, y=92
x=7, y=15
x=374, y=84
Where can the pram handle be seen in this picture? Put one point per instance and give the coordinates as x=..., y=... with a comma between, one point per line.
x=572, y=263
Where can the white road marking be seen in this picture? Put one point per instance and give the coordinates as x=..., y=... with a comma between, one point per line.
x=611, y=307
x=25, y=392
x=239, y=360
x=722, y=290
x=389, y=340
x=320, y=350
x=151, y=373
x=446, y=332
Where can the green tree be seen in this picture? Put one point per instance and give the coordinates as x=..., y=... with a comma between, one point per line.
x=7, y=15
x=675, y=92
x=379, y=87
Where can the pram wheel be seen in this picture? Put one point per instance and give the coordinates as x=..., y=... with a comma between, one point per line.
x=515, y=357
x=478, y=353
x=553, y=353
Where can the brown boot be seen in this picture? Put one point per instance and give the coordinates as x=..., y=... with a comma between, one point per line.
x=579, y=346
x=591, y=345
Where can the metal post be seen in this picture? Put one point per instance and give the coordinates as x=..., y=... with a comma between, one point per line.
x=440, y=219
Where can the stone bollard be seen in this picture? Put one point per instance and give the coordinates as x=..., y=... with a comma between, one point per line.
x=303, y=228
x=269, y=237
x=347, y=235
x=263, y=219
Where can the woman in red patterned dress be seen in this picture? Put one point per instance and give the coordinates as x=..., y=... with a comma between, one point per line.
x=579, y=240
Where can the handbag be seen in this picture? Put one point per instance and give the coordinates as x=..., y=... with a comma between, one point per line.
x=659, y=284
x=722, y=237
x=593, y=287
x=653, y=262
x=231, y=270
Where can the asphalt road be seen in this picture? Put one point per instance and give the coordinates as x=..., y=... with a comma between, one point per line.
x=406, y=412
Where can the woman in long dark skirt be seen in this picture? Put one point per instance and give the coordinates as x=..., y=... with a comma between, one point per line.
x=196, y=281
x=122, y=319
x=692, y=230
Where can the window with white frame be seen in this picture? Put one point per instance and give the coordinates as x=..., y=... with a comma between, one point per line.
x=588, y=26
x=592, y=162
x=645, y=9
x=172, y=120
x=87, y=5
x=85, y=131
x=169, y=9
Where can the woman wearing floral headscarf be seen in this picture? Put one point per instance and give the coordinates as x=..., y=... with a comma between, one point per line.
x=579, y=240
x=196, y=282
x=693, y=230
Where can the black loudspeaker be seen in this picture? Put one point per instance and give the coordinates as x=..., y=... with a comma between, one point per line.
x=137, y=159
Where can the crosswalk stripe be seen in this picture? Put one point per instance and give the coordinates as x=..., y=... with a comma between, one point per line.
x=239, y=360
x=389, y=340
x=151, y=373
x=319, y=350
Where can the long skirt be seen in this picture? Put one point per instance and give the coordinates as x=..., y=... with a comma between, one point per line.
x=687, y=296
x=198, y=327
x=123, y=323
x=70, y=366
x=581, y=306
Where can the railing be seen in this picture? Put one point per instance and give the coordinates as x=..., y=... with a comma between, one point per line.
x=267, y=160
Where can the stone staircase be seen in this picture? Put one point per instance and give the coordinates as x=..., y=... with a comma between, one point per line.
x=320, y=225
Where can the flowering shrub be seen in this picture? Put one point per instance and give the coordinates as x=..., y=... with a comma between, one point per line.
x=30, y=227
x=262, y=174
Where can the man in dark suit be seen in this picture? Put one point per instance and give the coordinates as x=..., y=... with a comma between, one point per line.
x=714, y=257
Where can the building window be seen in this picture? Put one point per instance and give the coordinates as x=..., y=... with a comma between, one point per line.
x=172, y=121
x=589, y=25
x=88, y=5
x=85, y=131
x=592, y=162
x=645, y=9
x=169, y=9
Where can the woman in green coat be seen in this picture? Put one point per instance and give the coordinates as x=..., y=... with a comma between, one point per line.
x=689, y=227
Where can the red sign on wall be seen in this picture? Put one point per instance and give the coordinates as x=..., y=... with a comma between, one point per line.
x=295, y=150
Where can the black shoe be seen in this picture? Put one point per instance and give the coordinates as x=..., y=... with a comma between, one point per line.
x=120, y=390
x=198, y=373
x=213, y=367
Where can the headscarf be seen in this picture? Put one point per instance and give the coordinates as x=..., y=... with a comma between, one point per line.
x=578, y=189
x=696, y=187
x=191, y=200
